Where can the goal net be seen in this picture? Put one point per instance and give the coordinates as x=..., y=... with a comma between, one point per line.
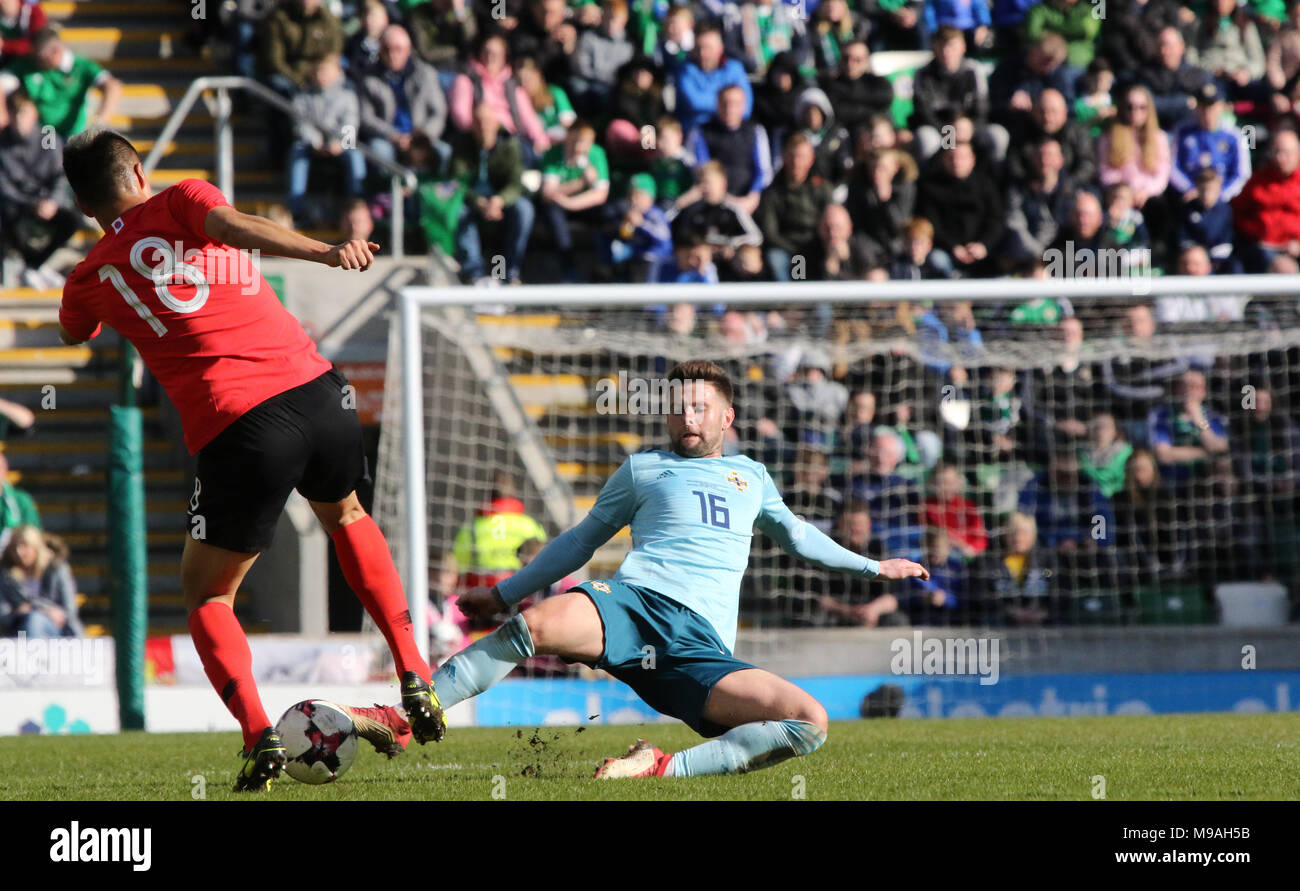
x=1099, y=459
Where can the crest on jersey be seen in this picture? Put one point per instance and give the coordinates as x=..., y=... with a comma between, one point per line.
x=601, y=587
x=737, y=480
x=117, y=225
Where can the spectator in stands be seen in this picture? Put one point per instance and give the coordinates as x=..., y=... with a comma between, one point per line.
x=1187, y=435
x=1074, y=20
x=1104, y=457
x=790, y=210
x=1206, y=220
x=947, y=509
x=1000, y=415
x=1173, y=80
x=1037, y=208
x=16, y=506
x=940, y=599
x=919, y=260
x=488, y=78
x=20, y=21
x=401, y=97
x=486, y=548
x=550, y=101
x=1130, y=32
x=855, y=93
x=1124, y=227
x=835, y=26
x=1151, y=543
x=1193, y=308
x=442, y=32
x=855, y=431
x=1051, y=400
x=31, y=184
x=853, y=600
x=575, y=183
x=1203, y=142
x=1007, y=18
x=716, y=218
x=970, y=17
x=882, y=196
x=298, y=35
x=361, y=51
x=1017, y=81
x=844, y=255
x=38, y=595
x=331, y=119
x=542, y=35
x=832, y=145
x=895, y=24
x=1134, y=380
x=489, y=164
x=677, y=39
x=947, y=86
x=693, y=263
x=817, y=401
x=811, y=497
x=642, y=238
x=637, y=103
x=1050, y=117
x=1267, y=212
x=1016, y=583
x=601, y=53
x=1227, y=45
x=775, y=98
x=700, y=77
x=1266, y=452
x=674, y=167
x=757, y=30
x=1134, y=150
x=1094, y=106
x=1081, y=234
x=893, y=499
x=1282, y=63
x=59, y=81
x=961, y=200
x=739, y=145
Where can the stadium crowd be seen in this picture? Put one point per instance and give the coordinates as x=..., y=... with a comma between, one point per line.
x=720, y=140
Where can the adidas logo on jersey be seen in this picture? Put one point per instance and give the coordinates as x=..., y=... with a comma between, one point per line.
x=666, y=473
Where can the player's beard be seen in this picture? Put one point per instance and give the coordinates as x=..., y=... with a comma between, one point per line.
x=697, y=447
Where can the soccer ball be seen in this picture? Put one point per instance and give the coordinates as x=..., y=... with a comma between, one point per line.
x=320, y=741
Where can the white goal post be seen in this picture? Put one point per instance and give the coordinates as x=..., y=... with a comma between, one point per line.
x=409, y=334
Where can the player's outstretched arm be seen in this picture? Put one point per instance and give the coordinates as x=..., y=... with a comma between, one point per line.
x=249, y=233
x=567, y=553
x=806, y=541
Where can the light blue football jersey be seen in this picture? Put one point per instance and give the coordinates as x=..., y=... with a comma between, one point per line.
x=692, y=523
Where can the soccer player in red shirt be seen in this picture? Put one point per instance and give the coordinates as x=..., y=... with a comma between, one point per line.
x=264, y=412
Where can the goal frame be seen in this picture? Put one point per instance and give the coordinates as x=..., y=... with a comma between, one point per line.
x=412, y=300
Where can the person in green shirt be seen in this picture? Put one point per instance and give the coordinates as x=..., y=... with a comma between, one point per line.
x=486, y=548
x=59, y=82
x=1072, y=19
x=549, y=100
x=575, y=183
x=1105, y=457
x=16, y=506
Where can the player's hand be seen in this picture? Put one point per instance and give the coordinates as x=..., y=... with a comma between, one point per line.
x=355, y=254
x=897, y=569
x=480, y=603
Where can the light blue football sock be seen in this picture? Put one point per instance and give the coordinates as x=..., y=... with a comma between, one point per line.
x=483, y=663
x=748, y=747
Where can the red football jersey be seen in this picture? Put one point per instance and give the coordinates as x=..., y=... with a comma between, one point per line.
x=203, y=318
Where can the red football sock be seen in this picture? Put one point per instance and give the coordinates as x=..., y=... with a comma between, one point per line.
x=368, y=567
x=228, y=663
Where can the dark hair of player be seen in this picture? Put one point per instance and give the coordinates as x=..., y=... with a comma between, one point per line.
x=98, y=165
x=704, y=370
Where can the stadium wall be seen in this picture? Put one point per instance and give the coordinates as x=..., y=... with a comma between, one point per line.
x=1033, y=673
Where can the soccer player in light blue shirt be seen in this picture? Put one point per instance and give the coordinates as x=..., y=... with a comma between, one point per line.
x=665, y=624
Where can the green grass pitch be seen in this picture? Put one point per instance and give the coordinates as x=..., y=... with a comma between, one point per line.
x=1216, y=756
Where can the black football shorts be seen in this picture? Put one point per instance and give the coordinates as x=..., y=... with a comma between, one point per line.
x=307, y=438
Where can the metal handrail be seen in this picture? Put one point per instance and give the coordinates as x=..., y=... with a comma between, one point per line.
x=400, y=176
